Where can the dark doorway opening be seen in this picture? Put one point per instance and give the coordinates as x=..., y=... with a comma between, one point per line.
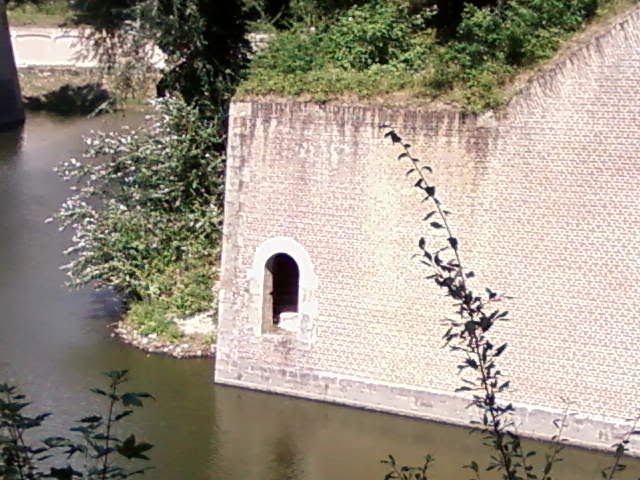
x=281, y=287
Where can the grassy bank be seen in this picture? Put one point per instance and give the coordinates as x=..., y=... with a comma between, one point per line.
x=182, y=292
x=379, y=49
x=81, y=91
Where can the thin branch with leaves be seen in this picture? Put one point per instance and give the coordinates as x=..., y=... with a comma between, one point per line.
x=21, y=460
x=468, y=335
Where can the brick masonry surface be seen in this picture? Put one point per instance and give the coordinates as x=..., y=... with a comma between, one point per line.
x=544, y=196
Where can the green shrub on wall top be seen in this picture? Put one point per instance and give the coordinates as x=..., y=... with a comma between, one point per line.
x=366, y=48
x=378, y=47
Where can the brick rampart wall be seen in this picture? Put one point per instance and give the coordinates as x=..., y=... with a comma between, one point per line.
x=545, y=201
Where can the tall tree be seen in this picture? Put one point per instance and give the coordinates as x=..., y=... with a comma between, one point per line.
x=207, y=46
x=205, y=42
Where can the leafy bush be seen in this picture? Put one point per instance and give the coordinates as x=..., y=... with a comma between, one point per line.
x=147, y=210
x=43, y=13
x=488, y=47
x=264, y=15
x=182, y=291
x=366, y=49
x=491, y=44
x=204, y=42
x=152, y=317
x=371, y=34
x=290, y=52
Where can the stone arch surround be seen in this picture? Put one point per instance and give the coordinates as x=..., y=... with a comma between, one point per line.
x=307, y=282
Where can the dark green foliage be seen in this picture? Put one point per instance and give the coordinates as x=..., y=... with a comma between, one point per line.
x=464, y=51
x=104, y=15
x=490, y=44
x=449, y=13
x=18, y=458
x=378, y=33
x=204, y=41
x=42, y=13
x=148, y=213
x=372, y=47
x=22, y=2
x=403, y=472
x=283, y=13
x=373, y=34
x=207, y=48
x=89, y=454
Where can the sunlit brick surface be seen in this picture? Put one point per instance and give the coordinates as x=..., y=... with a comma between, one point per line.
x=545, y=202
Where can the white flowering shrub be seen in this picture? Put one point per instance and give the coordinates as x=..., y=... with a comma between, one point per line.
x=146, y=209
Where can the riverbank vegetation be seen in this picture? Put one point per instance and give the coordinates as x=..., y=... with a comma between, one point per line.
x=464, y=53
x=460, y=52
x=147, y=210
x=147, y=215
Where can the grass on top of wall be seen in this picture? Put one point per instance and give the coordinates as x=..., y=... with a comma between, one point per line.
x=380, y=47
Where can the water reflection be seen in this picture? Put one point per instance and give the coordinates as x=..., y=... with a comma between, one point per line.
x=284, y=462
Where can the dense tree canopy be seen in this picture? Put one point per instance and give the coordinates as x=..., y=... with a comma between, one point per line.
x=447, y=14
x=205, y=42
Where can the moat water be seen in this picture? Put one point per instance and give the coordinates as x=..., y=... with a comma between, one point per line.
x=54, y=343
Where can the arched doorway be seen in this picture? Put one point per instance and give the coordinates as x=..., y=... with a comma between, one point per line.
x=281, y=289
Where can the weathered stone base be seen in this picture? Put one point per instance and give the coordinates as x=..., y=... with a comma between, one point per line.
x=598, y=433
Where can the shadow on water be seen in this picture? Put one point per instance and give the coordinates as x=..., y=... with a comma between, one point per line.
x=105, y=305
x=11, y=143
x=69, y=100
x=285, y=458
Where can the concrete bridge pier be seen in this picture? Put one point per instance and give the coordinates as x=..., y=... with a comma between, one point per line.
x=11, y=109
